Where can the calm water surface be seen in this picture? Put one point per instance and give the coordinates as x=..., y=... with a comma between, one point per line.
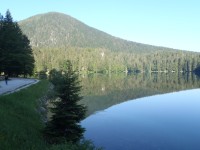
x=154, y=121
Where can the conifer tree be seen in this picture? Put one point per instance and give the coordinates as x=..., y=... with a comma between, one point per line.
x=16, y=54
x=67, y=113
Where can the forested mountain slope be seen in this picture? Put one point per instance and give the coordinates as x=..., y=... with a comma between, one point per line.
x=60, y=30
x=56, y=37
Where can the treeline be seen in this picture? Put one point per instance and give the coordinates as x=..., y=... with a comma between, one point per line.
x=56, y=37
x=99, y=60
x=16, y=56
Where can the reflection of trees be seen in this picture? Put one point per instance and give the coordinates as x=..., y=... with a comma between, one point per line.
x=101, y=91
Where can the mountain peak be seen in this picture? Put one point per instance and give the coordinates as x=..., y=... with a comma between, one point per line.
x=54, y=29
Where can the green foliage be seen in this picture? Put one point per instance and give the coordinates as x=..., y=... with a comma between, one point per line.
x=16, y=54
x=87, y=60
x=67, y=113
x=56, y=37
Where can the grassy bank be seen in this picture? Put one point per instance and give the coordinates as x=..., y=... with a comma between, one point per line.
x=21, y=125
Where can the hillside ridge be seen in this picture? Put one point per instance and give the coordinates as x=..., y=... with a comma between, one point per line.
x=55, y=29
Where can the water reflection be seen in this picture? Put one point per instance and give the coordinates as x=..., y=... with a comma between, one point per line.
x=103, y=91
x=168, y=121
x=162, y=122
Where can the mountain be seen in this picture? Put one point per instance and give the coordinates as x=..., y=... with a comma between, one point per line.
x=56, y=37
x=59, y=30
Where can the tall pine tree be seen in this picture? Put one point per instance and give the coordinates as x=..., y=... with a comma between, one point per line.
x=67, y=113
x=16, y=54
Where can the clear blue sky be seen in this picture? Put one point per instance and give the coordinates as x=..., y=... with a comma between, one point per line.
x=170, y=23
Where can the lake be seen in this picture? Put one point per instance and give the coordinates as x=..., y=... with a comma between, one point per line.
x=143, y=111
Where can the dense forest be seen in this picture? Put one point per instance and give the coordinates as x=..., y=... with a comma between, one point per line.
x=102, y=60
x=16, y=56
x=56, y=37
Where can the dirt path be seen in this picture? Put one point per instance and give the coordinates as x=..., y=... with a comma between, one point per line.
x=15, y=84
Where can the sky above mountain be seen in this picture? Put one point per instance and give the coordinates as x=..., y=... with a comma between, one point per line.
x=169, y=23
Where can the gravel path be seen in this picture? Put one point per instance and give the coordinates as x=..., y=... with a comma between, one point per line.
x=15, y=84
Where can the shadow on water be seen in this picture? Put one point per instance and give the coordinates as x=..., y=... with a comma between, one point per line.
x=103, y=91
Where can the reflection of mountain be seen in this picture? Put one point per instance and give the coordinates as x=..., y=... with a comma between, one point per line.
x=101, y=91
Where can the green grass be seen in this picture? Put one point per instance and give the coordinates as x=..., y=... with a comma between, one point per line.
x=21, y=124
